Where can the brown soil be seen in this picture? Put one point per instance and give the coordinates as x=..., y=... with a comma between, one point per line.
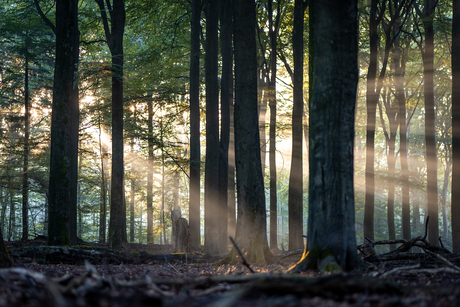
x=415, y=280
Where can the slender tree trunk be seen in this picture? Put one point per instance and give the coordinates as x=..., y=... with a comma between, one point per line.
x=430, y=131
x=25, y=168
x=445, y=185
x=162, y=212
x=195, y=159
x=74, y=135
x=391, y=158
x=211, y=209
x=80, y=218
x=133, y=192
x=5, y=259
x=390, y=141
x=117, y=183
x=455, y=201
x=371, y=105
x=231, y=177
x=272, y=149
x=150, y=175
x=263, y=101
x=251, y=235
x=61, y=161
x=3, y=213
x=296, y=176
x=400, y=68
x=226, y=13
x=103, y=207
x=12, y=217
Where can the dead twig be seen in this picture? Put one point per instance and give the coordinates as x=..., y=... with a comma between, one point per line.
x=444, y=260
x=404, y=268
x=243, y=260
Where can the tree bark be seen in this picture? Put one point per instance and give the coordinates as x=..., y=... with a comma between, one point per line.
x=25, y=168
x=251, y=235
x=430, y=130
x=61, y=147
x=195, y=159
x=445, y=185
x=455, y=202
x=333, y=81
x=117, y=215
x=5, y=259
x=74, y=135
x=231, y=177
x=296, y=176
x=226, y=99
x=272, y=132
x=211, y=208
x=103, y=207
x=400, y=68
x=133, y=192
x=371, y=105
x=150, y=175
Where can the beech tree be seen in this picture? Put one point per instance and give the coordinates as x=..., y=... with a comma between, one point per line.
x=296, y=175
x=333, y=80
x=426, y=15
x=456, y=127
x=61, y=148
x=251, y=235
x=225, y=171
x=211, y=207
x=194, y=196
x=114, y=36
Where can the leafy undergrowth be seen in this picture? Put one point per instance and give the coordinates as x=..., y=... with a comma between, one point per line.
x=407, y=280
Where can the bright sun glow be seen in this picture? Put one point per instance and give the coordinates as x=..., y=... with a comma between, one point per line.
x=88, y=100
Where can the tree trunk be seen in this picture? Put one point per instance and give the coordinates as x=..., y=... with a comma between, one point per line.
x=400, y=68
x=3, y=213
x=12, y=218
x=251, y=235
x=103, y=207
x=117, y=198
x=391, y=111
x=211, y=208
x=133, y=192
x=195, y=159
x=371, y=105
x=333, y=62
x=226, y=99
x=445, y=185
x=74, y=135
x=262, y=128
x=272, y=132
x=61, y=147
x=150, y=175
x=231, y=176
x=5, y=259
x=455, y=202
x=391, y=160
x=25, y=169
x=296, y=176
x=430, y=131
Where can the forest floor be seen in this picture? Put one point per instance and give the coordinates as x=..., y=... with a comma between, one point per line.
x=151, y=276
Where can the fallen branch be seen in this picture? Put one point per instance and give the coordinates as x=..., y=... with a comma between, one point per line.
x=243, y=260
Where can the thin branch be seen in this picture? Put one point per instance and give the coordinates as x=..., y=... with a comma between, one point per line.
x=43, y=16
x=243, y=260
